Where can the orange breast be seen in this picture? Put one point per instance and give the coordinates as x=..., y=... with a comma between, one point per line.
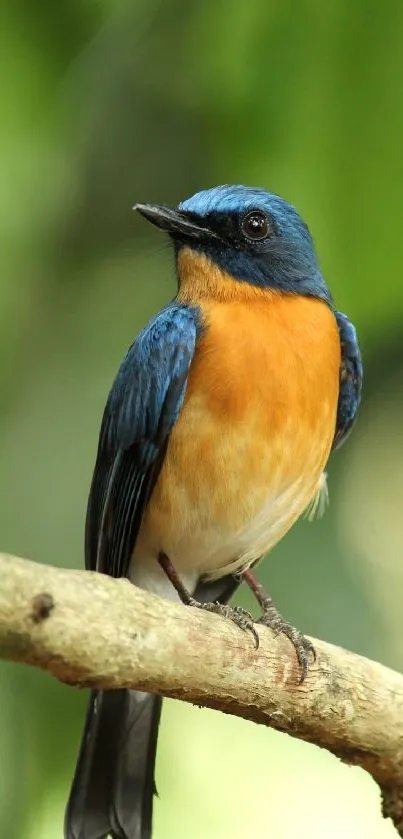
x=248, y=451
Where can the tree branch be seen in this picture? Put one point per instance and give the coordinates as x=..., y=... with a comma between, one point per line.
x=90, y=630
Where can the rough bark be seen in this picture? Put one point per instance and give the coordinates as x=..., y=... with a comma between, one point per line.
x=89, y=630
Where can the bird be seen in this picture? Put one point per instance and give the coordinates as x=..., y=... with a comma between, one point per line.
x=213, y=442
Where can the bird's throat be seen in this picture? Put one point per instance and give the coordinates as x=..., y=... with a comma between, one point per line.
x=200, y=278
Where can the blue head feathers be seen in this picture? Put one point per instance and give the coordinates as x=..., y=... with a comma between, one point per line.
x=253, y=235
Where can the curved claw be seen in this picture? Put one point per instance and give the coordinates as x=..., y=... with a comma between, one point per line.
x=304, y=650
x=303, y=647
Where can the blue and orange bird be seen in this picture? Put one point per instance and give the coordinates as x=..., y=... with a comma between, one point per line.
x=214, y=441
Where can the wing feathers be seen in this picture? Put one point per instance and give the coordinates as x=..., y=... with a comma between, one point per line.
x=350, y=380
x=142, y=408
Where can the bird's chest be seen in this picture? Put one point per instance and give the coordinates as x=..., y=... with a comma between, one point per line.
x=247, y=453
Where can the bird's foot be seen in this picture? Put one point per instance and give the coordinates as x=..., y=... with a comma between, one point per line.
x=271, y=617
x=236, y=614
x=303, y=647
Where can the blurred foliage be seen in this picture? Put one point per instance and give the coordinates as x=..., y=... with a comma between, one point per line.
x=104, y=104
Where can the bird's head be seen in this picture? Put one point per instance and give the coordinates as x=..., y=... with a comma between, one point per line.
x=232, y=235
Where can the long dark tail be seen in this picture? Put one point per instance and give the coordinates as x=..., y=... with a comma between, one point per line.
x=113, y=787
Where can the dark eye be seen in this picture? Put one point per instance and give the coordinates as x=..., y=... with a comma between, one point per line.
x=255, y=225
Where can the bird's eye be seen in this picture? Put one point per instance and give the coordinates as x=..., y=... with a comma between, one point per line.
x=255, y=225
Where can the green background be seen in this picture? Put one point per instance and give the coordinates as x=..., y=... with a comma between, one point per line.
x=107, y=103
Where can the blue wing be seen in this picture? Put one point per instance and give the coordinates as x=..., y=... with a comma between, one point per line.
x=350, y=380
x=142, y=408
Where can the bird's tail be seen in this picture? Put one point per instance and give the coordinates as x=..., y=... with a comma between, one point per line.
x=113, y=787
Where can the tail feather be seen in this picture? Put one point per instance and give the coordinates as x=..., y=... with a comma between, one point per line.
x=113, y=787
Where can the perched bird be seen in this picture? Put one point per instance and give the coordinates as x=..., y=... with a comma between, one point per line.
x=214, y=440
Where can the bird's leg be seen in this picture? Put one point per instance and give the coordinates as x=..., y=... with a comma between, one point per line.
x=239, y=616
x=271, y=617
x=175, y=579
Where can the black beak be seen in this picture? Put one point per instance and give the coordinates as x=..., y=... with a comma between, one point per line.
x=175, y=222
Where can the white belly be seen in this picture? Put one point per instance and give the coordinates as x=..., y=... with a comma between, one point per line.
x=210, y=550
